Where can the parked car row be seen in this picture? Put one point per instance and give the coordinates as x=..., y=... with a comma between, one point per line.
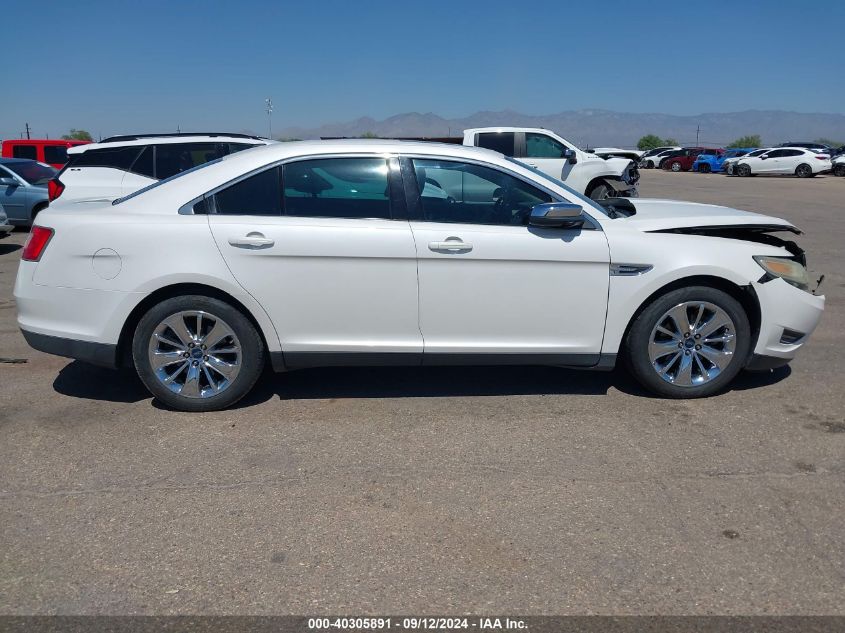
x=803, y=160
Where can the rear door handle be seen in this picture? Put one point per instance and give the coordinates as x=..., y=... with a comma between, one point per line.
x=251, y=240
x=450, y=245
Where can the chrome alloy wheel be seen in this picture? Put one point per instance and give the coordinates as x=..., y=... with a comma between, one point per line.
x=195, y=354
x=692, y=343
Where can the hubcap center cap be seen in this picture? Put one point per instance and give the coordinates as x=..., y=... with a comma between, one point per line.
x=196, y=353
x=689, y=343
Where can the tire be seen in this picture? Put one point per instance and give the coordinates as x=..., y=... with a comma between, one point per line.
x=659, y=365
x=729, y=170
x=742, y=170
x=601, y=191
x=839, y=170
x=675, y=166
x=169, y=330
x=649, y=164
x=804, y=171
x=704, y=168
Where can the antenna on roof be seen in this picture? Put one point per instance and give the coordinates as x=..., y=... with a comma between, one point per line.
x=269, y=103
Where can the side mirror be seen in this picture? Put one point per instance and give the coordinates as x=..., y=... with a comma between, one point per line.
x=562, y=215
x=763, y=157
x=8, y=182
x=570, y=156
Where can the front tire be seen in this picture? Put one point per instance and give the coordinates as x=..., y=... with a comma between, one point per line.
x=601, y=191
x=804, y=171
x=675, y=166
x=743, y=170
x=196, y=353
x=704, y=168
x=688, y=343
x=649, y=164
x=839, y=170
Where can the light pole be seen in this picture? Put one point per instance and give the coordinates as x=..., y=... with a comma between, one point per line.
x=269, y=103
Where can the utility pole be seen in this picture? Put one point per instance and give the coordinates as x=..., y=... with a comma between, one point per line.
x=269, y=103
x=27, y=130
x=697, y=130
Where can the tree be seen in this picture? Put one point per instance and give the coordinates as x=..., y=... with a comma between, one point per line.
x=670, y=141
x=649, y=141
x=369, y=135
x=752, y=140
x=78, y=135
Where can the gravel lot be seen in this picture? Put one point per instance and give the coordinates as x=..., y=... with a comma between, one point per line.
x=425, y=491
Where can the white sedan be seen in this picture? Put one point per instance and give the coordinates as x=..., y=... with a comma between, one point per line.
x=801, y=162
x=381, y=252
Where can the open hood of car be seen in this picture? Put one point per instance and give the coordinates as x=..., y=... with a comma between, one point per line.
x=671, y=215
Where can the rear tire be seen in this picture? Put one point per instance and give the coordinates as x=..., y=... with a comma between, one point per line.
x=649, y=164
x=839, y=170
x=804, y=171
x=676, y=349
x=704, y=168
x=743, y=170
x=195, y=353
x=675, y=166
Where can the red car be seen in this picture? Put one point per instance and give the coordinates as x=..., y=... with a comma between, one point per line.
x=682, y=159
x=52, y=152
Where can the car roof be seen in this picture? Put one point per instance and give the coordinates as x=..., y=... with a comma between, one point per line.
x=130, y=141
x=15, y=161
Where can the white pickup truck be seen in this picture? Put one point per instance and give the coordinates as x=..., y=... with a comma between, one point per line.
x=587, y=173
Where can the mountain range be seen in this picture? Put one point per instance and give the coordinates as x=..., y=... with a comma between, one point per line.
x=595, y=128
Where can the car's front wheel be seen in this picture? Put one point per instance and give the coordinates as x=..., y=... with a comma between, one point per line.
x=704, y=168
x=839, y=169
x=649, y=164
x=675, y=166
x=602, y=191
x=196, y=353
x=688, y=343
x=743, y=170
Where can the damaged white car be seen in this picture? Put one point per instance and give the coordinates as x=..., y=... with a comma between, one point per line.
x=389, y=253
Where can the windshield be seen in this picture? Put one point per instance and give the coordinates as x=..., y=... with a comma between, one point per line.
x=32, y=172
x=544, y=176
x=161, y=182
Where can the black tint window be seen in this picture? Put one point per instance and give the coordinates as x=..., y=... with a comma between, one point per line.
x=500, y=142
x=472, y=194
x=117, y=157
x=173, y=158
x=791, y=152
x=25, y=151
x=337, y=188
x=55, y=154
x=257, y=195
x=237, y=147
x=776, y=153
x=542, y=146
x=143, y=165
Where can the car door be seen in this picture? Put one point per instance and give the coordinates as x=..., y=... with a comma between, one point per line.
x=492, y=289
x=13, y=197
x=769, y=163
x=789, y=160
x=324, y=246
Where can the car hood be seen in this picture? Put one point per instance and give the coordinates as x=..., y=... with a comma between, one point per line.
x=666, y=215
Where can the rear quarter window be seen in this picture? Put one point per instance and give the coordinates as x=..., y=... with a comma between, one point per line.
x=116, y=158
x=25, y=151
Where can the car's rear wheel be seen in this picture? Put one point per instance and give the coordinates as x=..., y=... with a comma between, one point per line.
x=804, y=171
x=196, y=353
x=688, y=343
x=649, y=164
x=675, y=166
x=743, y=170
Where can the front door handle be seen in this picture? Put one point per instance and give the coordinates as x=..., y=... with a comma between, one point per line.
x=252, y=240
x=451, y=245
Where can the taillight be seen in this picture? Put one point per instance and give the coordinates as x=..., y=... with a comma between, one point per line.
x=36, y=243
x=822, y=157
x=54, y=189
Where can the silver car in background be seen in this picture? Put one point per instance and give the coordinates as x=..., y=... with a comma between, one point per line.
x=23, y=189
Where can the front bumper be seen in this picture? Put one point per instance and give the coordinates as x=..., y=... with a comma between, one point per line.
x=788, y=317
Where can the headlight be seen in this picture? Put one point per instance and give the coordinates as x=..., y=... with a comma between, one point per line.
x=787, y=269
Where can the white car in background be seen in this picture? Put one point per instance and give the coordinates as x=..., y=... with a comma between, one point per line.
x=838, y=165
x=729, y=165
x=381, y=252
x=653, y=159
x=801, y=162
x=119, y=165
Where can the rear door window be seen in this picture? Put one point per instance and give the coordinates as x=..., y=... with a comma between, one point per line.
x=257, y=195
x=25, y=151
x=143, y=165
x=55, y=154
x=174, y=158
x=337, y=188
x=502, y=142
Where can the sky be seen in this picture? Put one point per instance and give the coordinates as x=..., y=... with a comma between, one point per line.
x=151, y=66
